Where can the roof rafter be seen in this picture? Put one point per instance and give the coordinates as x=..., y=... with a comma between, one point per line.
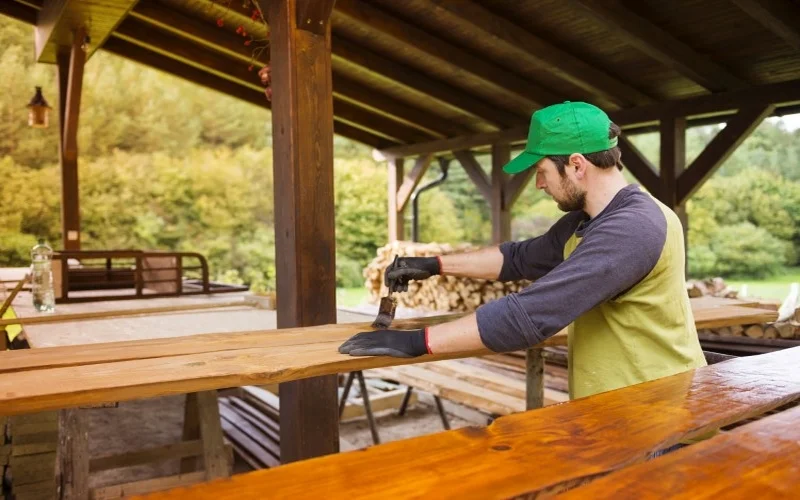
x=231, y=45
x=779, y=16
x=444, y=52
x=539, y=51
x=660, y=45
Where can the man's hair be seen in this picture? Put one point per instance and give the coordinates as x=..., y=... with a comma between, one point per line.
x=601, y=159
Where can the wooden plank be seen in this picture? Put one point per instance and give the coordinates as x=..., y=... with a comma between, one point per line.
x=58, y=19
x=267, y=449
x=539, y=52
x=501, y=208
x=707, y=301
x=659, y=44
x=516, y=183
x=411, y=181
x=396, y=219
x=475, y=173
x=32, y=469
x=147, y=486
x=74, y=454
x=641, y=168
x=20, y=12
x=757, y=460
x=450, y=55
x=717, y=317
x=36, y=390
x=453, y=389
x=215, y=462
x=51, y=357
x=505, y=459
x=249, y=448
x=302, y=124
x=778, y=16
x=720, y=148
x=60, y=318
x=139, y=457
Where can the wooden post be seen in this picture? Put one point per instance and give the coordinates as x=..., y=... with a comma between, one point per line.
x=396, y=221
x=534, y=378
x=70, y=83
x=302, y=124
x=74, y=454
x=672, y=164
x=501, y=211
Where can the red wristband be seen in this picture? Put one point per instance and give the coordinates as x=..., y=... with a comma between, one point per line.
x=427, y=345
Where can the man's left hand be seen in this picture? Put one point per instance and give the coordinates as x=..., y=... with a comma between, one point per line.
x=396, y=343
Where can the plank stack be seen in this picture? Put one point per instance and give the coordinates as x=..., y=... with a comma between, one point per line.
x=787, y=329
x=28, y=455
x=438, y=293
x=714, y=287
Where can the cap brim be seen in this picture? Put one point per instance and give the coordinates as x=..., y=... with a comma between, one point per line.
x=523, y=161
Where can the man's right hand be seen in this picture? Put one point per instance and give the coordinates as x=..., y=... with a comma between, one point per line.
x=405, y=269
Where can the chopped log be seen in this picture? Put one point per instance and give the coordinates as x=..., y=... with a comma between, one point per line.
x=770, y=332
x=754, y=331
x=797, y=315
x=737, y=330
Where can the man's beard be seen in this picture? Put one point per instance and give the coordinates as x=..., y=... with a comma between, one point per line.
x=574, y=199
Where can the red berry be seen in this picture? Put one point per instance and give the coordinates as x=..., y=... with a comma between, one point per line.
x=220, y=22
x=250, y=68
x=247, y=43
x=239, y=29
x=244, y=33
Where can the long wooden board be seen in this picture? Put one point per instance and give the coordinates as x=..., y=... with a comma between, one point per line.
x=541, y=451
x=292, y=354
x=758, y=460
x=717, y=317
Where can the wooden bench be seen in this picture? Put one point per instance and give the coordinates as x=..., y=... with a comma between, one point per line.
x=549, y=450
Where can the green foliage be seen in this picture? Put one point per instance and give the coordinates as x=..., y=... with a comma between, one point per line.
x=747, y=250
x=349, y=273
x=360, y=201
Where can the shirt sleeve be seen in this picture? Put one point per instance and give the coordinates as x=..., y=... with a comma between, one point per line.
x=611, y=258
x=533, y=258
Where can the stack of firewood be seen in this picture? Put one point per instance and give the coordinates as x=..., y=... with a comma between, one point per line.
x=715, y=287
x=786, y=329
x=438, y=293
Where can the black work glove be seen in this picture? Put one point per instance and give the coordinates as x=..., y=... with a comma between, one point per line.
x=405, y=269
x=396, y=343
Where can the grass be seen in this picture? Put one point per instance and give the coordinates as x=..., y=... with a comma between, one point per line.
x=350, y=297
x=776, y=287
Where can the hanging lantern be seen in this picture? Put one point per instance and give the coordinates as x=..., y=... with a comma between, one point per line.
x=38, y=111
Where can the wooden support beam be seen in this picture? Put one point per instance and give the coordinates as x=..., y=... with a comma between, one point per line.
x=302, y=124
x=516, y=184
x=74, y=454
x=215, y=460
x=693, y=108
x=780, y=17
x=70, y=68
x=20, y=12
x=249, y=94
x=720, y=148
x=58, y=22
x=378, y=124
x=528, y=92
x=534, y=378
x=314, y=15
x=396, y=220
x=412, y=180
x=475, y=173
x=537, y=51
x=673, y=159
x=501, y=209
x=659, y=44
x=639, y=166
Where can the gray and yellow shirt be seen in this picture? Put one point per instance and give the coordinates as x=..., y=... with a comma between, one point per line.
x=617, y=280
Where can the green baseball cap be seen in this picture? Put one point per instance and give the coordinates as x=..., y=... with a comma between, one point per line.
x=563, y=129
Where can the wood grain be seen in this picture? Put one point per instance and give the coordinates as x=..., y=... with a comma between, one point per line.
x=715, y=317
x=758, y=460
x=543, y=451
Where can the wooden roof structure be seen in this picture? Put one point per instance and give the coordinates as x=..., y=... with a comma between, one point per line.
x=414, y=71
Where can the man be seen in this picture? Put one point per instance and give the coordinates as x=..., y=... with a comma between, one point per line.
x=612, y=269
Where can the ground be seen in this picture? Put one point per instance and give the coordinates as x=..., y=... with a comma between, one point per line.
x=158, y=421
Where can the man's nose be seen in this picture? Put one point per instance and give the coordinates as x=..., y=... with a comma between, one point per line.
x=540, y=184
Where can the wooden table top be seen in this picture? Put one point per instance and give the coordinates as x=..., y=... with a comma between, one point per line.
x=541, y=451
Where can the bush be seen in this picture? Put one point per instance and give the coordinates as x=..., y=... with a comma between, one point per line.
x=349, y=273
x=15, y=250
x=744, y=250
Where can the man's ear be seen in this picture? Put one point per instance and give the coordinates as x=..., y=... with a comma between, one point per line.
x=580, y=164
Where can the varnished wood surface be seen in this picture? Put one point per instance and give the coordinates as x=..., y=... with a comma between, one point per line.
x=135, y=370
x=758, y=460
x=543, y=451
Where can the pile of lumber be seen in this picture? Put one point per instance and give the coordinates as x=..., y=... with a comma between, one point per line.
x=439, y=293
x=28, y=455
x=714, y=287
x=252, y=424
x=774, y=330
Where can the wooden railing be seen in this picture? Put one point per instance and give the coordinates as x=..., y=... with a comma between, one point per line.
x=565, y=446
x=89, y=275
